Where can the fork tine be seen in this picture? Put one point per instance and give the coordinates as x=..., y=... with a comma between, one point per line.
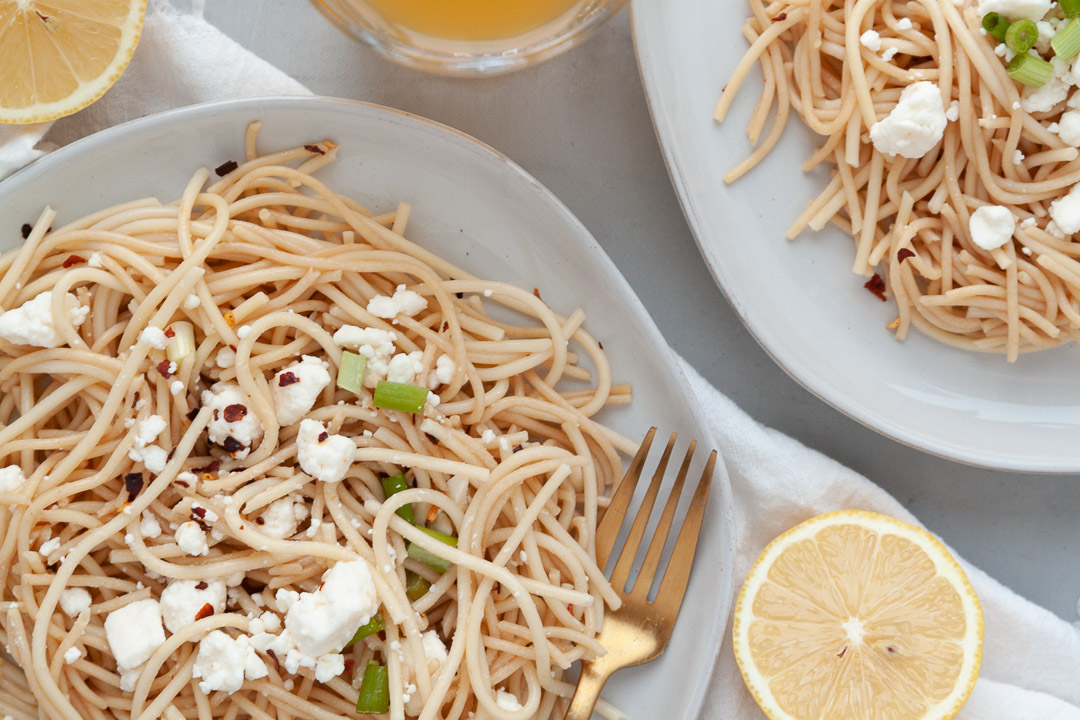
x=673, y=586
x=656, y=547
x=608, y=529
x=633, y=541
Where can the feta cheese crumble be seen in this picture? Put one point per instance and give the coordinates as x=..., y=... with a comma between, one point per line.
x=72, y=654
x=232, y=425
x=1033, y=10
x=991, y=226
x=225, y=358
x=296, y=388
x=224, y=662
x=149, y=527
x=134, y=632
x=281, y=519
x=915, y=125
x=377, y=347
x=323, y=456
x=74, y=601
x=443, y=373
x=151, y=456
x=192, y=301
x=403, y=302
x=507, y=701
x=1069, y=127
x=154, y=337
x=183, y=600
x=32, y=323
x=871, y=40
x=324, y=621
x=11, y=478
x=403, y=367
x=191, y=539
x=49, y=547
x=1065, y=212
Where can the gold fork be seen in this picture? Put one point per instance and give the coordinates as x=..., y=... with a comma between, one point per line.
x=639, y=630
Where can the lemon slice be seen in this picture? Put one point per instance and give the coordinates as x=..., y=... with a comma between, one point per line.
x=855, y=615
x=58, y=56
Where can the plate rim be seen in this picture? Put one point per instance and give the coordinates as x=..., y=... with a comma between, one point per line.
x=721, y=490
x=804, y=376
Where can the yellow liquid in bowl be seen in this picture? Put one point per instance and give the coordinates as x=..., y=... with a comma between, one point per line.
x=471, y=20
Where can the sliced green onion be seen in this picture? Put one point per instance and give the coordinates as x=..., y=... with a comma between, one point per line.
x=372, y=626
x=1021, y=36
x=1069, y=7
x=351, y=373
x=1030, y=70
x=416, y=586
x=399, y=396
x=995, y=25
x=1066, y=43
x=426, y=556
x=392, y=486
x=374, y=690
x=182, y=342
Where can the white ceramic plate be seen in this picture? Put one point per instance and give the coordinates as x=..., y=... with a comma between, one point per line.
x=801, y=300
x=476, y=208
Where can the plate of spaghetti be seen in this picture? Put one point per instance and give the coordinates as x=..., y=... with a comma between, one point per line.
x=885, y=193
x=305, y=413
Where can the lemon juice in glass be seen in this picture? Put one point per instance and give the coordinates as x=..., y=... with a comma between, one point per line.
x=469, y=37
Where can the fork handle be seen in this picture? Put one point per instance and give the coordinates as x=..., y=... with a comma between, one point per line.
x=593, y=677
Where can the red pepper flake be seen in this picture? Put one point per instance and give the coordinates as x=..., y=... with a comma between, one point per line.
x=445, y=326
x=536, y=292
x=600, y=344
x=192, y=413
x=350, y=663
x=780, y=18
x=324, y=436
x=206, y=611
x=877, y=286
x=286, y=379
x=232, y=445
x=198, y=511
x=841, y=653
x=225, y=168
x=213, y=467
x=43, y=18
x=73, y=260
x=27, y=228
x=169, y=332
x=315, y=149
x=273, y=655
x=135, y=400
x=201, y=585
x=458, y=295
x=164, y=368
x=904, y=253
x=235, y=412
x=259, y=520
x=133, y=483
x=181, y=483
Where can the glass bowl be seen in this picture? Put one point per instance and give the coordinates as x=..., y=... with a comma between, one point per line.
x=361, y=21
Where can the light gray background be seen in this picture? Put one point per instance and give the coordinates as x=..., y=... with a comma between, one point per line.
x=581, y=126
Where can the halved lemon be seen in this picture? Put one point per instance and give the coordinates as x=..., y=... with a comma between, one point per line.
x=854, y=615
x=58, y=56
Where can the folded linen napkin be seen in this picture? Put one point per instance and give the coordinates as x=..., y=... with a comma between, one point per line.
x=1031, y=658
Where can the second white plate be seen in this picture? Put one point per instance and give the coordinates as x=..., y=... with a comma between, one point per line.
x=801, y=300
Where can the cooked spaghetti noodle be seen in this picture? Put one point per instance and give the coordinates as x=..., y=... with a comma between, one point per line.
x=128, y=483
x=842, y=66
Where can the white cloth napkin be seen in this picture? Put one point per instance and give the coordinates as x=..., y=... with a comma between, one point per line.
x=1031, y=658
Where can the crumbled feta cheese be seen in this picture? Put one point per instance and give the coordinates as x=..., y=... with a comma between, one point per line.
x=183, y=600
x=191, y=539
x=74, y=600
x=281, y=518
x=1069, y=127
x=1065, y=212
x=49, y=547
x=324, y=621
x=507, y=701
x=286, y=598
x=991, y=226
x=176, y=387
x=1004, y=52
x=95, y=260
x=326, y=460
x=871, y=40
x=72, y=654
x=1050, y=94
x=889, y=53
x=404, y=302
x=11, y=478
x=434, y=650
x=377, y=347
x=154, y=337
x=443, y=372
x=243, y=331
x=149, y=429
x=296, y=388
x=225, y=358
x=1018, y=157
x=224, y=662
x=231, y=418
x=488, y=437
x=403, y=367
x=151, y=456
x=268, y=622
x=149, y=527
x=32, y=323
x=192, y=301
x=1029, y=222
x=1033, y=10
x=953, y=113
x=915, y=125
x=134, y=632
x=903, y=24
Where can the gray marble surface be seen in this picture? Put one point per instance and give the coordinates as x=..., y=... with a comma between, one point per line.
x=580, y=125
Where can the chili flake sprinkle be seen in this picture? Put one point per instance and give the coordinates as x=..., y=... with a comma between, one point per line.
x=201, y=585
x=206, y=611
x=230, y=319
x=904, y=253
x=164, y=368
x=877, y=286
x=27, y=228
x=286, y=379
x=232, y=445
x=235, y=412
x=133, y=483
x=73, y=260
x=225, y=168
x=315, y=149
